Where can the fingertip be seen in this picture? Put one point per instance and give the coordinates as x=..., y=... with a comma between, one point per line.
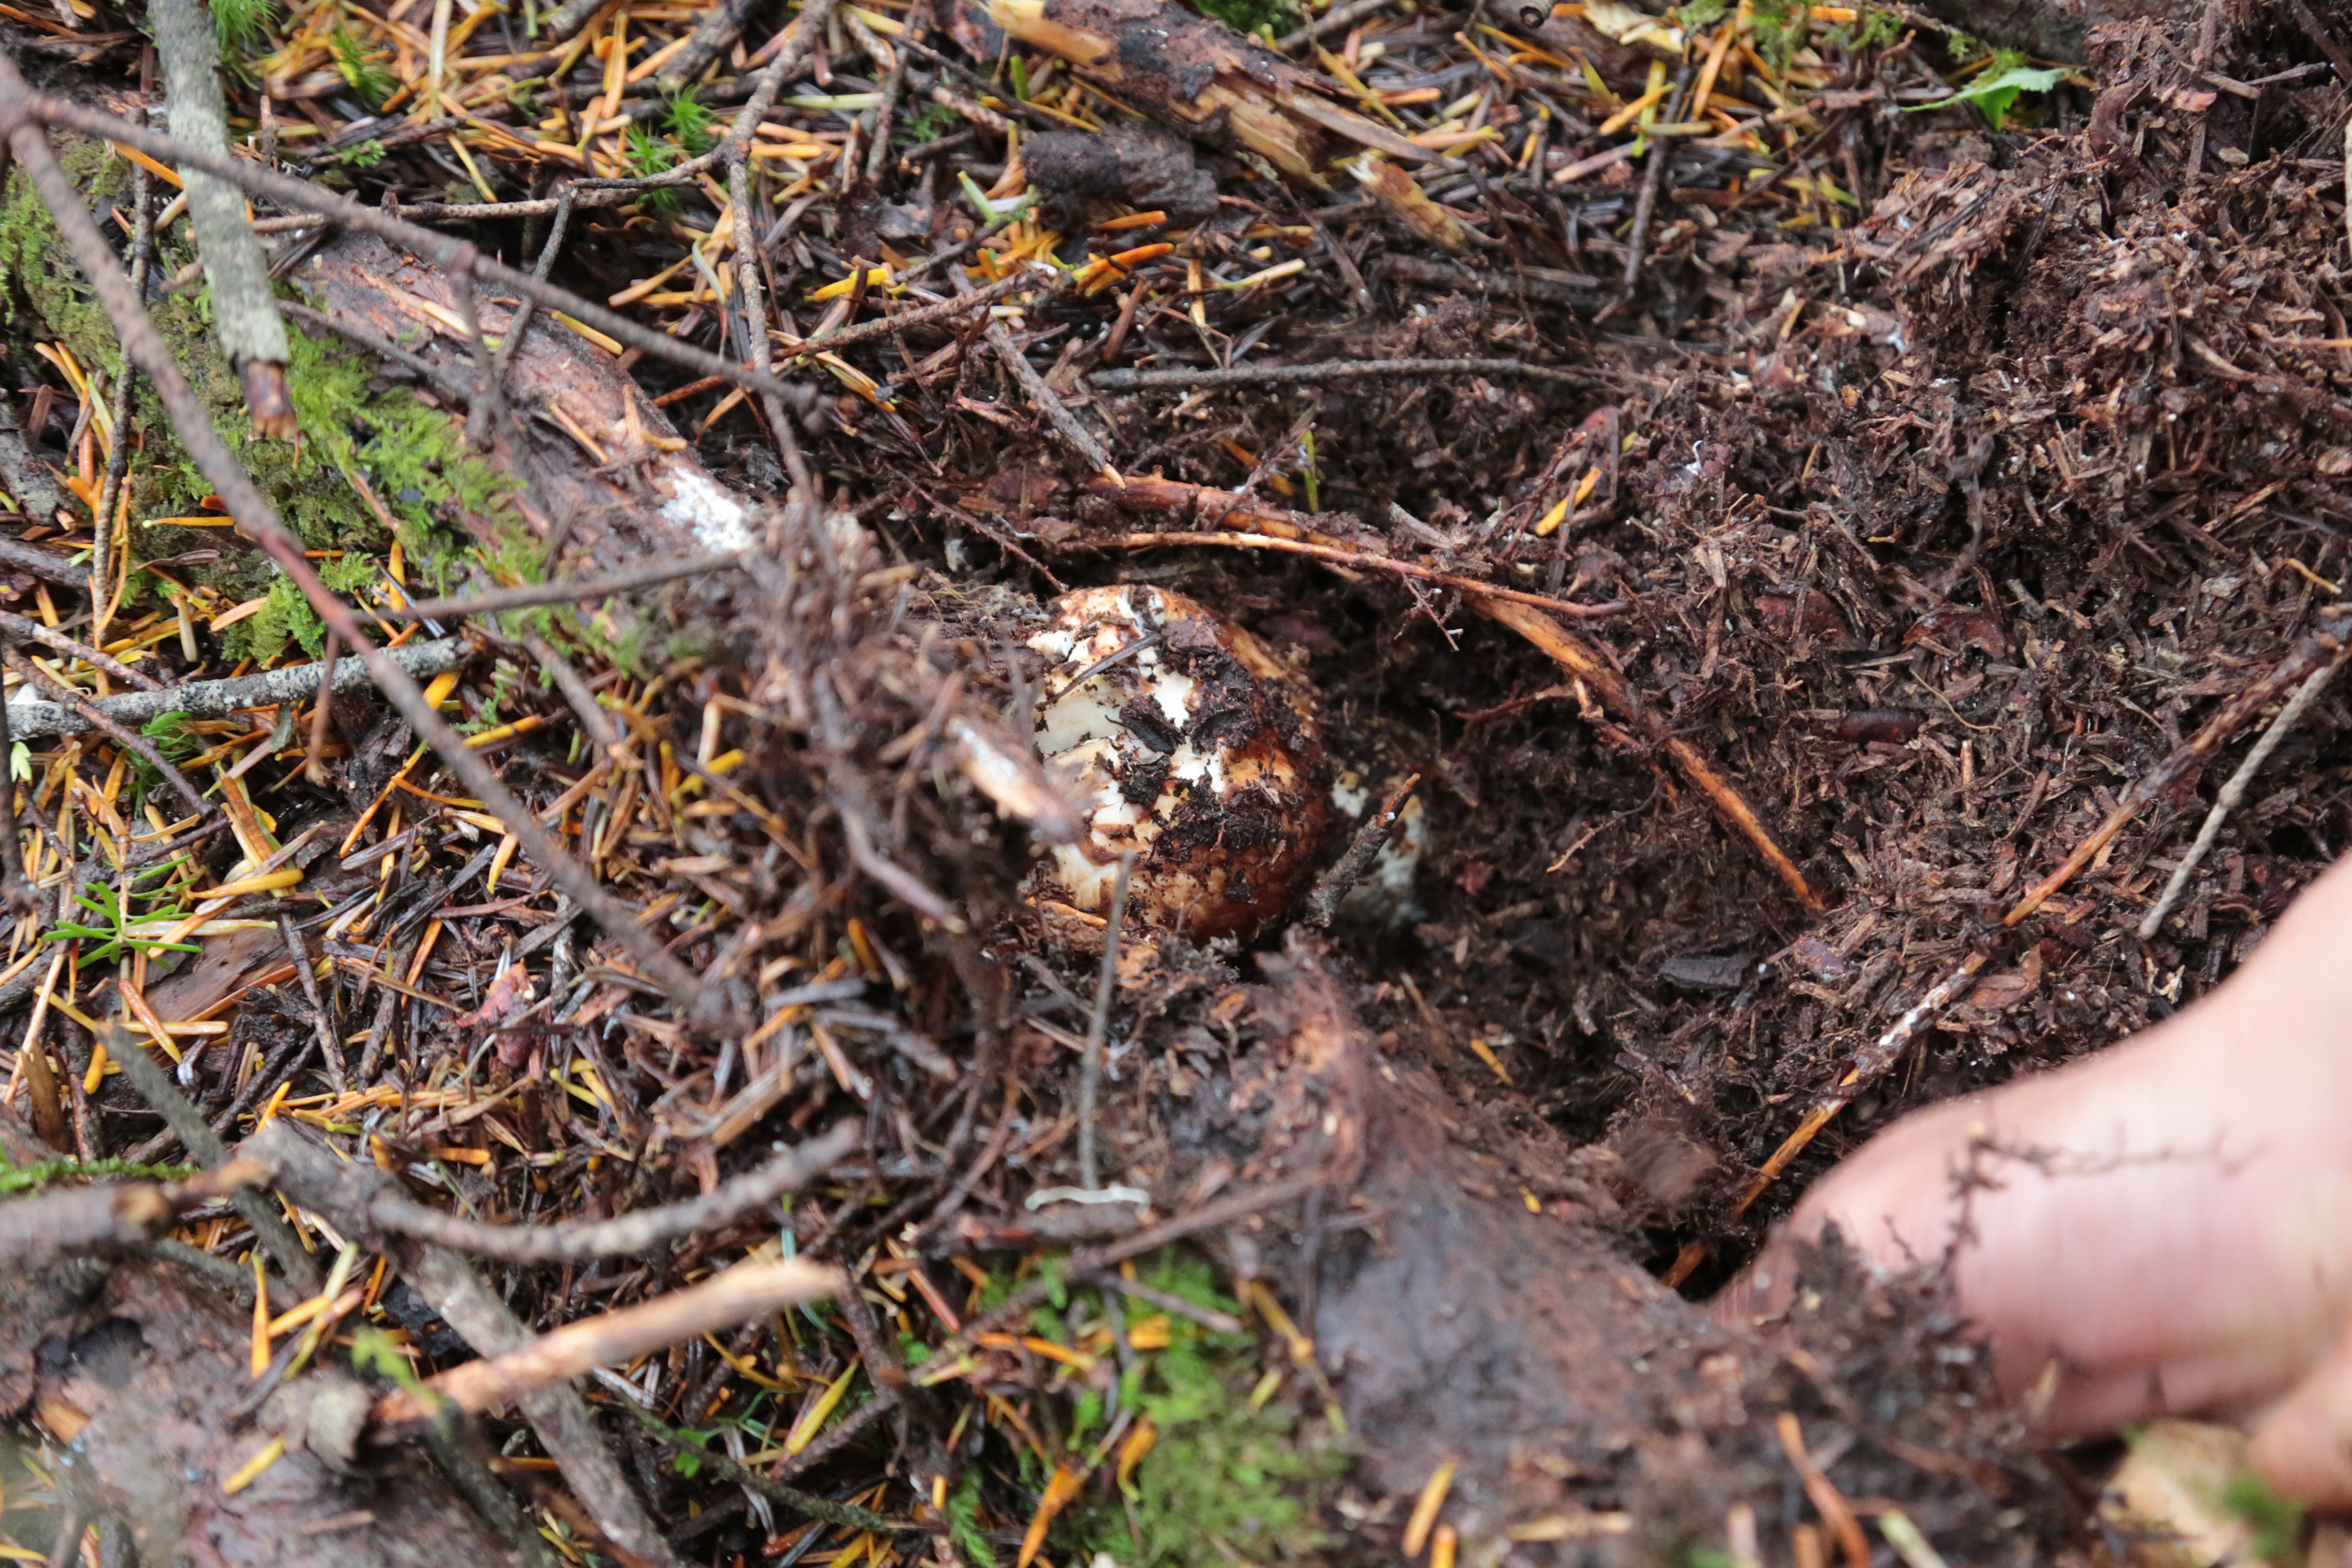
x=1762, y=1290
x=2304, y=1447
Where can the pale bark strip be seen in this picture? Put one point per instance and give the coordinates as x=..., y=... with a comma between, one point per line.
x=214, y=698
x=243, y=314
x=740, y=1295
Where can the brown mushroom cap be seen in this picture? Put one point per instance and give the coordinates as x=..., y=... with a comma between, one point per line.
x=1193, y=748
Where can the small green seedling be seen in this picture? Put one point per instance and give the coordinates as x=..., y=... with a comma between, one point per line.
x=363, y=71
x=1996, y=87
x=117, y=933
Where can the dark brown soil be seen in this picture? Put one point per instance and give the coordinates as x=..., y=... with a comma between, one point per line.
x=1938, y=528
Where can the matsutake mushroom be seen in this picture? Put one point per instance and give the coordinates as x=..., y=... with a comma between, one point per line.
x=1185, y=743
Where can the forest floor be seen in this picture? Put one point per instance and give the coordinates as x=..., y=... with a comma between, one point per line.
x=1807, y=506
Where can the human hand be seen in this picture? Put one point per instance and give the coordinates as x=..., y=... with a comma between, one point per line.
x=2163, y=1228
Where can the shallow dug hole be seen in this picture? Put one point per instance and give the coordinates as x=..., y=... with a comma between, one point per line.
x=1920, y=533
x=1937, y=539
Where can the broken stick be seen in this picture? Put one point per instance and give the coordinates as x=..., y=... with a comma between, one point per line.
x=740, y=1295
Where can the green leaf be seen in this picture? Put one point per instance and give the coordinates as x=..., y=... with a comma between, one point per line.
x=1997, y=88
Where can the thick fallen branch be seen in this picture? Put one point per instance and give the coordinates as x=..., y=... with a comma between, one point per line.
x=204, y=1146
x=108, y=1217
x=214, y=698
x=556, y=1412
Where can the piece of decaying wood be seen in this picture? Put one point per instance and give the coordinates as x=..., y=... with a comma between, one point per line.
x=244, y=316
x=1194, y=73
x=738, y=1295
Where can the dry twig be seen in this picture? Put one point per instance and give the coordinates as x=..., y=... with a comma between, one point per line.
x=389, y=1210
x=738, y=1295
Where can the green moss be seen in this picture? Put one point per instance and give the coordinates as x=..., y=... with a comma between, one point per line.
x=963, y=1521
x=1225, y=1481
x=1780, y=29
x=1254, y=15
x=1881, y=28
x=2276, y=1521
x=448, y=504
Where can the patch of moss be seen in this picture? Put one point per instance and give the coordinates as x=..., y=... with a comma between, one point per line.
x=1254, y=16
x=1226, y=1480
x=1780, y=30
x=2276, y=1521
x=441, y=495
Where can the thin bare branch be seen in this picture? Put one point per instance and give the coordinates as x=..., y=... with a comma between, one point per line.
x=575, y=591
x=388, y=1209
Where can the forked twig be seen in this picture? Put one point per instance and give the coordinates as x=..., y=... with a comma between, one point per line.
x=2234, y=790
